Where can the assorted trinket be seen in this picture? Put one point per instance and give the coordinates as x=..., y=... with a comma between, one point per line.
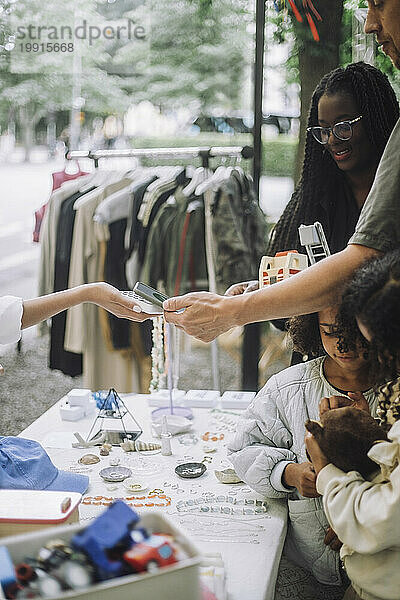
x=89, y=459
x=228, y=505
x=227, y=476
x=139, y=446
x=114, y=544
x=115, y=474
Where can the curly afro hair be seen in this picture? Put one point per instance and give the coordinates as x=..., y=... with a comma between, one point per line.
x=305, y=335
x=373, y=297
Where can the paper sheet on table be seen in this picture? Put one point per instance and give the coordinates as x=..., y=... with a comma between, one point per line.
x=59, y=439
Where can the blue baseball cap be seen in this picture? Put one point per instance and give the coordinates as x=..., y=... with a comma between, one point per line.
x=25, y=465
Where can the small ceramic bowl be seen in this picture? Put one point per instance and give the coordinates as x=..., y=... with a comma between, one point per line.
x=191, y=470
x=115, y=474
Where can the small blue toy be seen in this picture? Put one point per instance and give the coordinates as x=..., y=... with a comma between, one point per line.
x=7, y=571
x=106, y=540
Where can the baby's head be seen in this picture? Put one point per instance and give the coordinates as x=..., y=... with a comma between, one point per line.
x=345, y=435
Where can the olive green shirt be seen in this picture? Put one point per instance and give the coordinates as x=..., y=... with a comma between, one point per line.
x=379, y=224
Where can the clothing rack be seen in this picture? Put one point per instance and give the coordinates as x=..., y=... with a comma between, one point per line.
x=205, y=153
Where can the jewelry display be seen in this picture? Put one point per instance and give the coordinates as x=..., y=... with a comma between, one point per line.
x=188, y=439
x=136, y=487
x=228, y=505
x=144, y=467
x=154, y=499
x=171, y=409
x=212, y=437
x=224, y=420
x=79, y=469
x=115, y=421
x=221, y=529
x=157, y=356
x=207, y=521
x=115, y=474
x=190, y=470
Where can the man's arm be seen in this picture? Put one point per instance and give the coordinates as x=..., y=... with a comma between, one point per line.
x=102, y=294
x=208, y=315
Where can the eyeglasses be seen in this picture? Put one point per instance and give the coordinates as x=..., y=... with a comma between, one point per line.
x=342, y=131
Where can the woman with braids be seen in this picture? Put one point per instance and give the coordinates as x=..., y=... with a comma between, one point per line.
x=352, y=114
x=366, y=514
x=268, y=451
x=353, y=111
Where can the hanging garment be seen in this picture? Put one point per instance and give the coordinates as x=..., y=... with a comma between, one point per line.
x=115, y=210
x=48, y=235
x=58, y=178
x=69, y=363
x=102, y=367
x=239, y=230
x=175, y=255
x=156, y=194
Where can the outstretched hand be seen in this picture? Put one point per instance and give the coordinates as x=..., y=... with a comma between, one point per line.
x=205, y=315
x=111, y=299
x=242, y=288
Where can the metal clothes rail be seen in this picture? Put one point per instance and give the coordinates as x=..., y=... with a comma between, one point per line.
x=204, y=152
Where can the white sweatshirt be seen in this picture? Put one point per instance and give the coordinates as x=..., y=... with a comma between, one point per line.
x=269, y=435
x=10, y=319
x=366, y=517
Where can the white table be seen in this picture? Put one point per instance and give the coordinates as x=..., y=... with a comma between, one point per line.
x=252, y=563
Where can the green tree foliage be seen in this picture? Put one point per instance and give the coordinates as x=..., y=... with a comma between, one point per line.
x=36, y=84
x=198, y=54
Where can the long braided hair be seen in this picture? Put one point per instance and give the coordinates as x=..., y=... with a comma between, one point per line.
x=377, y=103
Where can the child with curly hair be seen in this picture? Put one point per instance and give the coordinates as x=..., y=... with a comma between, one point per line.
x=366, y=514
x=269, y=454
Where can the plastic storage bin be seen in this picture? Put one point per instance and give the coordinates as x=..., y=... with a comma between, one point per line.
x=176, y=582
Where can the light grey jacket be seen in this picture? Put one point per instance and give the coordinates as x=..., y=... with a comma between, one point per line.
x=270, y=434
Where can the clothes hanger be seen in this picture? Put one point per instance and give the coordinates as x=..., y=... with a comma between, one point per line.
x=220, y=174
x=70, y=162
x=200, y=175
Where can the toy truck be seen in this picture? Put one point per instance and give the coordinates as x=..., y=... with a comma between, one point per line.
x=107, y=538
x=151, y=554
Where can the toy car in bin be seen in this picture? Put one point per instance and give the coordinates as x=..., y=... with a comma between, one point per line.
x=157, y=551
x=105, y=540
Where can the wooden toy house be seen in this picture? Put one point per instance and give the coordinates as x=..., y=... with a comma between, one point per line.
x=281, y=266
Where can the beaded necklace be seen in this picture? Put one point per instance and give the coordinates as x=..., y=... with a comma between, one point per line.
x=151, y=500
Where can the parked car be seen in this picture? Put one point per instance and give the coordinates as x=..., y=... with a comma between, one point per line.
x=241, y=124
